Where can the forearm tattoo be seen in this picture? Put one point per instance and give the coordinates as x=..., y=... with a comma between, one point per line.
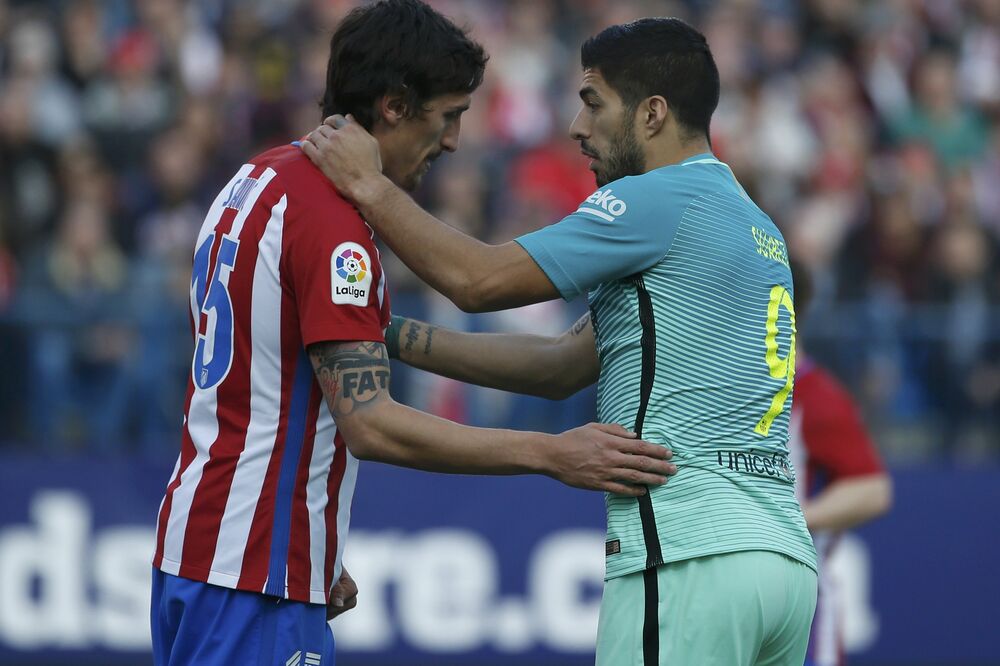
x=412, y=333
x=351, y=374
x=427, y=344
x=581, y=324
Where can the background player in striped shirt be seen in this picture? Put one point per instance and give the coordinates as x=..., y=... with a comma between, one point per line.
x=841, y=482
x=693, y=332
x=288, y=306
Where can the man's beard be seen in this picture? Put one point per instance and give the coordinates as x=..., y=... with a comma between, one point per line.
x=625, y=157
x=415, y=177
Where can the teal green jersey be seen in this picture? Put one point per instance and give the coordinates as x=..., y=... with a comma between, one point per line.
x=691, y=299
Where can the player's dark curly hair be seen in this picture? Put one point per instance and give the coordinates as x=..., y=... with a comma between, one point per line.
x=398, y=47
x=658, y=56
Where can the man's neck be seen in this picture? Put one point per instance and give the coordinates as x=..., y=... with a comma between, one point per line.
x=674, y=153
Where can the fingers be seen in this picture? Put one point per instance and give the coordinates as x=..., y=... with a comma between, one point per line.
x=613, y=429
x=622, y=489
x=311, y=144
x=634, y=446
x=309, y=148
x=609, y=458
x=633, y=472
x=333, y=611
x=632, y=482
x=346, y=601
x=343, y=597
x=642, y=448
x=350, y=588
x=336, y=121
x=344, y=589
x=647, y=465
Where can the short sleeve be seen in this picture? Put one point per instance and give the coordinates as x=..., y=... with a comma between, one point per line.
x=619, y=230
x=333, y=274
x=834, y=434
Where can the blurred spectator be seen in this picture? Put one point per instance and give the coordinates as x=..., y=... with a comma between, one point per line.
x=953, y=130
x=166, y=234
x=870, y=132
x=129, y=103
x=85, y=50
x=74, y=294
x=885, y=254
x=27, y=187
x=966, y=365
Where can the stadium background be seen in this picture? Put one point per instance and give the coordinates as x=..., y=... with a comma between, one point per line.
x=870, y=131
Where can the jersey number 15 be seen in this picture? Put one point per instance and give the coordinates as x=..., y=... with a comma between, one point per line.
x=213, y=356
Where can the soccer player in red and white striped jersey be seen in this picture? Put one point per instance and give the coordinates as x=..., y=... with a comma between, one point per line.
x=264, y=479
x=288, y=307
x=841, y=482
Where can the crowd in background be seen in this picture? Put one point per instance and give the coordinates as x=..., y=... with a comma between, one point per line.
x=869, y=131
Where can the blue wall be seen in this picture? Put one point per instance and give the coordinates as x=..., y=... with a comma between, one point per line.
x=460, y=570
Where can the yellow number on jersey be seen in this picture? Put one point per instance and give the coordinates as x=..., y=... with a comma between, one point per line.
x=779, y=368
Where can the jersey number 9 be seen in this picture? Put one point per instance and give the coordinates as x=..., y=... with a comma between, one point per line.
x=778, y=368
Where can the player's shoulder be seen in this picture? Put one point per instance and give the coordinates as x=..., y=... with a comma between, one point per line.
x=297, y=175
x=634, y=196
x=674, y=185
x=307, y=189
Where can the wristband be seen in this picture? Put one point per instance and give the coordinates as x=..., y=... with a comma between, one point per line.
x=392, y=335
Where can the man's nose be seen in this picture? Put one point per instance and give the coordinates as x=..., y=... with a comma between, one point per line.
x=449, y=140
x=578, y=130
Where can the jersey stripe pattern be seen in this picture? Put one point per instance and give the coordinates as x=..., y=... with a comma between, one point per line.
x=713, y=307
x=689, y=288
x=260, y=496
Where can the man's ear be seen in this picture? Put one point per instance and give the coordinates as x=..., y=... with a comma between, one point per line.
x=391, y=109
x=655, y=114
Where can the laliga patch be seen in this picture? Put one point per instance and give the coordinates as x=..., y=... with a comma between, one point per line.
x=350, y=274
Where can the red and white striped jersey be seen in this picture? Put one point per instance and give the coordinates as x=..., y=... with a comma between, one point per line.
x=260, y=498
x=828, y=442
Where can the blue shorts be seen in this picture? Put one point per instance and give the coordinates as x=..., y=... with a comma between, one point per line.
x=198, y=623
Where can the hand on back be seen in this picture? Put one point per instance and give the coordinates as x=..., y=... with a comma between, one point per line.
x=608, y=457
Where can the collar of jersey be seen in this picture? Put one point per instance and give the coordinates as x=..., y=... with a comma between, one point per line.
x=709, y=158
x=701, y=158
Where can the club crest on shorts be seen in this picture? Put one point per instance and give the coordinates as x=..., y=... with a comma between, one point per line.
x=350, y=275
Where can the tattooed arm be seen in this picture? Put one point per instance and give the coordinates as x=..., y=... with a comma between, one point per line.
x=549, y=367
x=354, y=377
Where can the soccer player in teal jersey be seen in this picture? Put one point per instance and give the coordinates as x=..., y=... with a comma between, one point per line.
x=691, y=339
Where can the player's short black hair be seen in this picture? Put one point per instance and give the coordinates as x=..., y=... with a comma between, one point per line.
x=658, y=56
x=398, y=47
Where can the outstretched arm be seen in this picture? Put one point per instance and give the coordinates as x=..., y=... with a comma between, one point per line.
x=839, y=445
x=476, y=276
x=354, y=377
x=849, y=502
x=548, y=367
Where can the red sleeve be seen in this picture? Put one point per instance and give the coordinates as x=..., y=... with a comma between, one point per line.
x=833, y=433
x=332, y=269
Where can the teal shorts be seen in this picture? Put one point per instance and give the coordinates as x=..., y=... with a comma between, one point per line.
x=749, y=608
